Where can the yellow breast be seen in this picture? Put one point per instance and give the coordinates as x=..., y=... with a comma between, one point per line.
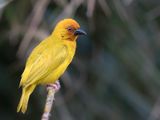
x=54, y=75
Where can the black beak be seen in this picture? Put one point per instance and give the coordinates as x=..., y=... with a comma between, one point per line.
x=80, y=32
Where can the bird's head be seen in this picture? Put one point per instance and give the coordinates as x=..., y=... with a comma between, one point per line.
x=68, y=29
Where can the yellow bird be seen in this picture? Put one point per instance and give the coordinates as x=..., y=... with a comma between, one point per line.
x=49, y=59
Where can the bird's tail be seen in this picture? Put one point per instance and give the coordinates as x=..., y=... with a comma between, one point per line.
x=26, y=92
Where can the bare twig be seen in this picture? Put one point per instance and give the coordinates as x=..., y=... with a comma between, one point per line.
x=104, y=7
x=37, y=13
x=90, y=8
x=69, y=10
x=4, y=3
x=52, y=89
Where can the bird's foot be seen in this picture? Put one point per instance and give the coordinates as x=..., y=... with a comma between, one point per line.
x=56, y=86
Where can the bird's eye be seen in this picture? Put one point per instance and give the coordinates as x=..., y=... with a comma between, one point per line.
x=70, y=29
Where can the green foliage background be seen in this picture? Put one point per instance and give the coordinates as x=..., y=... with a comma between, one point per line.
x=115, y=74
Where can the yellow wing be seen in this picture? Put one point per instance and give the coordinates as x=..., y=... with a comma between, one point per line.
x=43, y=61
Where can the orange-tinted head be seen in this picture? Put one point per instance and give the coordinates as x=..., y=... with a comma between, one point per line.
x=68, y=29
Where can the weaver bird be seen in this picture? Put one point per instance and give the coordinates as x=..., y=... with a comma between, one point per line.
x=48, y=60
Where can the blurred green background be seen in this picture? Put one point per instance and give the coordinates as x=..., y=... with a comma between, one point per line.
x=115, y=74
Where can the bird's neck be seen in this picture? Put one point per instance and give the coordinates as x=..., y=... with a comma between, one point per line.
x=71, y=44
x=58, y=38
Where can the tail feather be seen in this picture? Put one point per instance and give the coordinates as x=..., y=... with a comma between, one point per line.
x=26, y=92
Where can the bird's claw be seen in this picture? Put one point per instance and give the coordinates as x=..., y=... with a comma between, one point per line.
x=56, y=86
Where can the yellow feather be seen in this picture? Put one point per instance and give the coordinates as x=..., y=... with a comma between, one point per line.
x=24, y=98
x=48, y=60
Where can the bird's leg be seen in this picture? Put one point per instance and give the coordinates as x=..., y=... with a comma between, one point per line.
x=56, y=86
x=52, y=89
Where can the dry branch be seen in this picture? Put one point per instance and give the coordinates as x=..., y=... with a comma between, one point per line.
x=52, y=89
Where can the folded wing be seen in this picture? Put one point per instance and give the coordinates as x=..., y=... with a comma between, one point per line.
x=42, y=63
